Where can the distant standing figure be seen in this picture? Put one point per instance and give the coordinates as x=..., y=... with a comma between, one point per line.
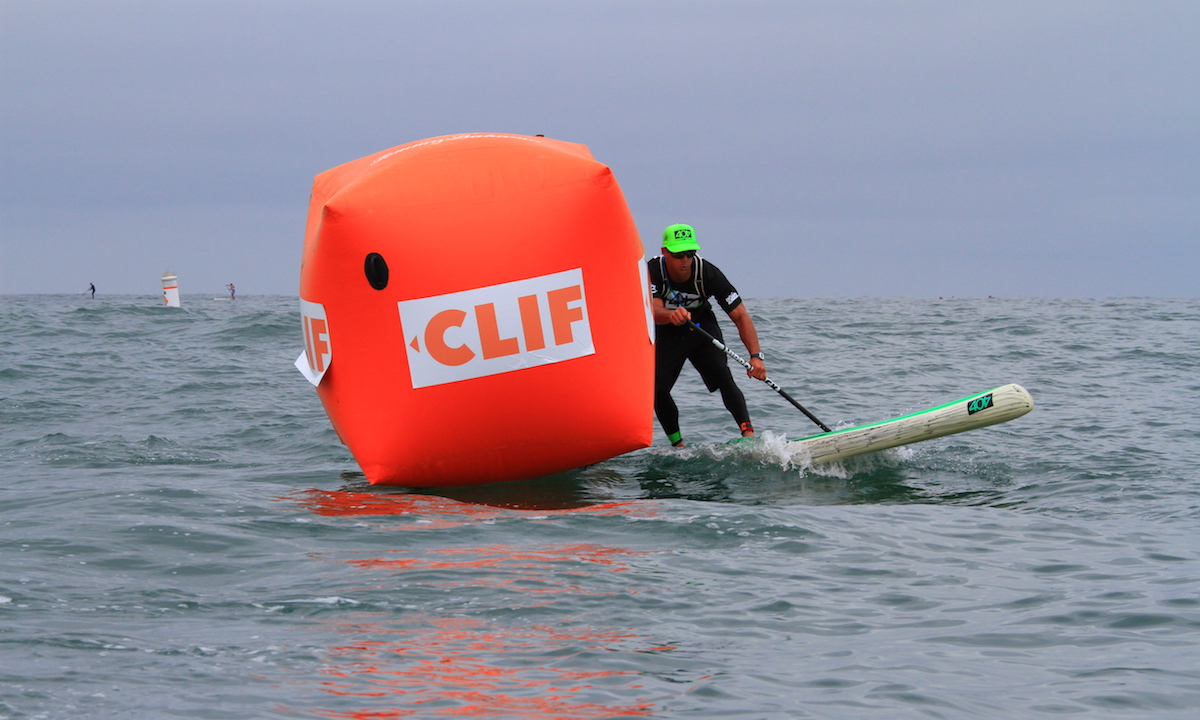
x=92, y=289
x=232, y=291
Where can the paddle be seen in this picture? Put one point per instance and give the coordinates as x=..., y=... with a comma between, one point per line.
x=743, y=363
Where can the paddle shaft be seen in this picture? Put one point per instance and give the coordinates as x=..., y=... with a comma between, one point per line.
x=770, y=384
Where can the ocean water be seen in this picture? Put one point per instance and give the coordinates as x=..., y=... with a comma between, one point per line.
x=182, y=535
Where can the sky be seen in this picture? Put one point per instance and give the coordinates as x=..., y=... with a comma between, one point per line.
x=820, y=149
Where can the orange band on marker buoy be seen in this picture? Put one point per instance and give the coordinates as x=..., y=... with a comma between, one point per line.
x=486, y=297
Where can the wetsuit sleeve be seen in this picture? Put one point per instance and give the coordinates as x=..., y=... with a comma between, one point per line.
x=719, y=287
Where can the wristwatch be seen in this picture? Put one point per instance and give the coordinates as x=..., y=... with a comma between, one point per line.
x=758, y=355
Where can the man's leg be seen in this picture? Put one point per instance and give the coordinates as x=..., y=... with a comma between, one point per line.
x=735, y=403
x=714, y=368
x=669, y=356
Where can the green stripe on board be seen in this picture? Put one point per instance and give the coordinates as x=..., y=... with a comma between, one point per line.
x=968, y=398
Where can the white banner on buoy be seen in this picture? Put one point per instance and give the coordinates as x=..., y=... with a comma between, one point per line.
x=496, y=329
x=644, y=274
x=318, y=349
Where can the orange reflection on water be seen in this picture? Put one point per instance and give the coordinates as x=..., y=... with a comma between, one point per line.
x=349, y=503
x=438, y=666
x=343, y=503
x=457, y=667
x=527, y=572
x=503, y=555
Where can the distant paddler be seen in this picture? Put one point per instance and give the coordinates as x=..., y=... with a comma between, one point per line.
x=681, y=283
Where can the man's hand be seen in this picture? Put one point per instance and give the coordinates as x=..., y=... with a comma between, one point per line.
x=758, y=369
x=680, y=316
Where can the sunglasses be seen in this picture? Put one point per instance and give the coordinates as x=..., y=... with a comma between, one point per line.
x=684, y=254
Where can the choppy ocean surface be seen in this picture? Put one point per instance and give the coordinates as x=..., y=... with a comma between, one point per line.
x=182, y=535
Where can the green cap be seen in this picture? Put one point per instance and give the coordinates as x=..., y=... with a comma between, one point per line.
x=677, y=238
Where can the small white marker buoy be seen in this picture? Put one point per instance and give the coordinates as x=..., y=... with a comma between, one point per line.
x=170, y=289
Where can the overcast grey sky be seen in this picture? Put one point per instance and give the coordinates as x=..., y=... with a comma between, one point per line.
x=845, y=148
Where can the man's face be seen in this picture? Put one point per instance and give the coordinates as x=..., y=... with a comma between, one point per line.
x=679, y=265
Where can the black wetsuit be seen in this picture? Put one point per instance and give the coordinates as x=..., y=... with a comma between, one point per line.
x=676, y=343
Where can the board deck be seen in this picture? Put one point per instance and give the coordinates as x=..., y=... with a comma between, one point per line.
x=975, y=411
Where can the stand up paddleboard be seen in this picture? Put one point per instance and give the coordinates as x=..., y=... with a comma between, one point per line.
x=987, y=408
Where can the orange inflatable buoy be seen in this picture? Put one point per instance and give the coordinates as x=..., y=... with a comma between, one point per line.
x=475, y=310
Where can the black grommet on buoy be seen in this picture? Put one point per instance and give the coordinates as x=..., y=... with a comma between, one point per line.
x=377, y=271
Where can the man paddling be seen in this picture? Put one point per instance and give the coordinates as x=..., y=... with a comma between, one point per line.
x=681, y=284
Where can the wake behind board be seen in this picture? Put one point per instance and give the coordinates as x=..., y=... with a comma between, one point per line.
x=986, y=408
